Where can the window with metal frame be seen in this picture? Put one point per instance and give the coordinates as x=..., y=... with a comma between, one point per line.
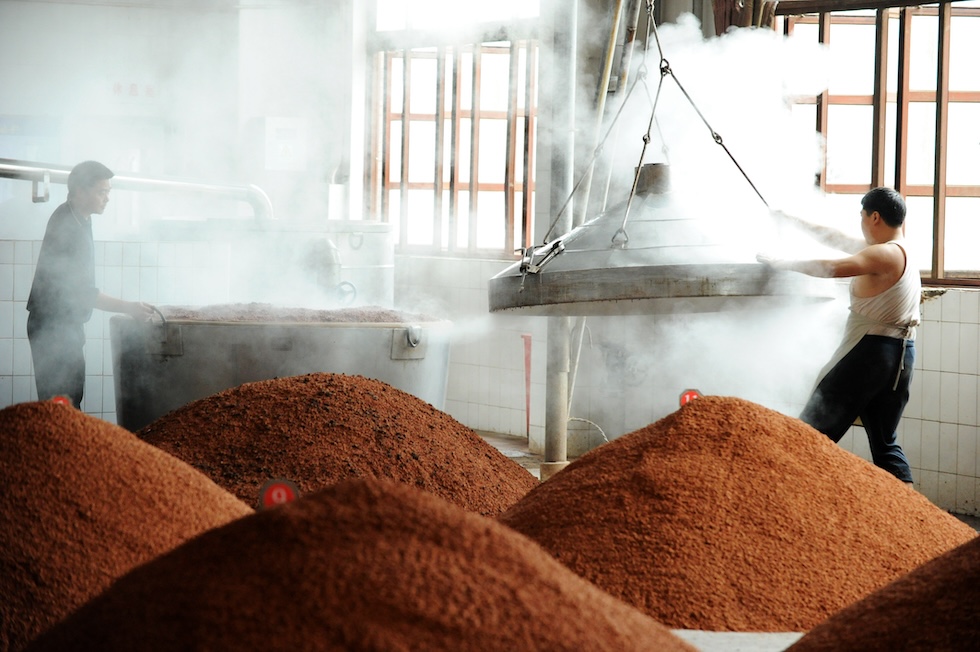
x=902, y=109
x=453, y=146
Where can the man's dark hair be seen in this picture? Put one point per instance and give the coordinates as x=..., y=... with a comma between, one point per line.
x=888, y=203
x=86, y=174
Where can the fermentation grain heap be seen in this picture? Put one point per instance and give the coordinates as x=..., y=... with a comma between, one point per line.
x=935, y=607
x=83, y=501
x=362, y=565
x=320, y=428
x=728, y=516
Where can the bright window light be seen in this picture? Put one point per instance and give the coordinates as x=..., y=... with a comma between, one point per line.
x=433, y=15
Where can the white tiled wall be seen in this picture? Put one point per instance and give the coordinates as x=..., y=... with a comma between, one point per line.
x=488, y=388
x=129, y=270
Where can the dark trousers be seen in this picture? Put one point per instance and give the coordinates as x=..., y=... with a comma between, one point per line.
x=57, y=350
x=863, y=385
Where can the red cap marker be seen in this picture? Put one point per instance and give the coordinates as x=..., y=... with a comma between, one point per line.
x=277, y=492
x=689, y=395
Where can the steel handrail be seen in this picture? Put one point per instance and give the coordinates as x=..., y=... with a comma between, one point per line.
x=44, y=174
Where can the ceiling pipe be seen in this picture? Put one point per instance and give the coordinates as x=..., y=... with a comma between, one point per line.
x=41, y=175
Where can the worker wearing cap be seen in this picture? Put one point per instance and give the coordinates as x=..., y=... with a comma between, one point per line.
x=869, y=375
x=63, y=294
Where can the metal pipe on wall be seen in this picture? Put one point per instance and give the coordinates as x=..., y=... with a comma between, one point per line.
x=43, y=173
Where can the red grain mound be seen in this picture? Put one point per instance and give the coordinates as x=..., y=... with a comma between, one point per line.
x=321, y=428
x=727, y=516
x=935, y=607
x=82, y=502
x=362, y=565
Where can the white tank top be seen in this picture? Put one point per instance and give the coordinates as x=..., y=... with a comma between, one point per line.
x=892, y=313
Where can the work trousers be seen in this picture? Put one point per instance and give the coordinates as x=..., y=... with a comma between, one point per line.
x=57, y=349
x=871, y=382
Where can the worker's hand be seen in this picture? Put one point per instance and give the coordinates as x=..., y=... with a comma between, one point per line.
x=141, y=311
x=768, y=261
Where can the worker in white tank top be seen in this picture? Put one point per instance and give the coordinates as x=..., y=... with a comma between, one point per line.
x=868, y=376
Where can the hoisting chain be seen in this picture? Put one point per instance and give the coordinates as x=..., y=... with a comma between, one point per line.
x=620, y=238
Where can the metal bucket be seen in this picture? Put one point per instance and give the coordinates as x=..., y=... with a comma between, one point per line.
x=160, y=366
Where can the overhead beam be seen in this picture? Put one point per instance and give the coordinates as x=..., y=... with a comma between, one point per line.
x=795, y=7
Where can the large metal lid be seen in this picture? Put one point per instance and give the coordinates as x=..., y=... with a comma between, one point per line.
x=659, y=261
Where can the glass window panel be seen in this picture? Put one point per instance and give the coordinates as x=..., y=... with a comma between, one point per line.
x=397, y=84
x=807, y=31
x=420, y=217
x=921, y=162
x=493, y=150
x=423, y=88
x=963, y=148
x=963, y=234
x=421, y=151
x=849, y=144
x=465, y=89
x=394, y=212
x=463, y=158
x=964, y=35
x=918, y=231
x=395, y=152
x=891, y=74
x=446, y=221
x=891, y=119
x=922, y=69
x=490, y=221
x=462, y=220
x=494, y=80
x=852, y=57
x=518, y=172
x=447, y=151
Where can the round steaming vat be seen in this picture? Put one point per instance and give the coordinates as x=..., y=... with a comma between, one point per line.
x=160, y=366
x=653, y=255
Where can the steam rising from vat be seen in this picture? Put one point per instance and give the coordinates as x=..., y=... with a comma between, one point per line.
x=633, y=369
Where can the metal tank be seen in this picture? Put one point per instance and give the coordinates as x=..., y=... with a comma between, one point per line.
x=160, y=366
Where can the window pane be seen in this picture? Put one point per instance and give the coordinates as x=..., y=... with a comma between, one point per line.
x=395, y=152
x=964, y=35
x=423, y=88
x=922, y=70
x=921, y=162
x=918, y=231
x=394, y=212
x=421, y=151
x=462, y=220
x=463, y=157
x=465, y=89
x=490, y=221
x=397, y=84
x=420, y=218
x=852, y=56
x=963, y=148
x=849, y=144
x=493, y=150
x=494, y=79
x=963, y=234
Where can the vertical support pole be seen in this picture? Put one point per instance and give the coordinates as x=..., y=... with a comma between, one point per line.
x=527, y=384
x=561, y=81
